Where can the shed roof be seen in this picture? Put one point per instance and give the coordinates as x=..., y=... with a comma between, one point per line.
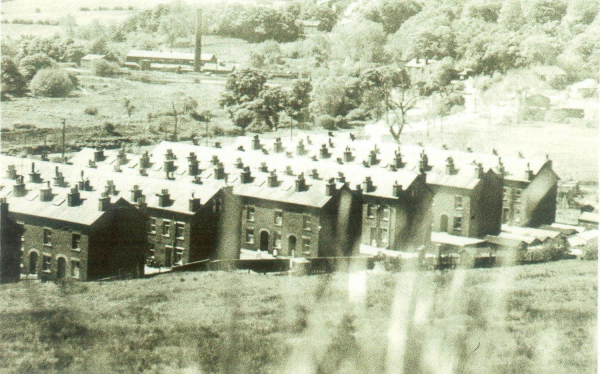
x=588, y=217
x=188, y=56
x=90, y=57
x=458, y=241
x=529, y=231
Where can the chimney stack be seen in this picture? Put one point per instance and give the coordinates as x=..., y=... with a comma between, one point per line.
x=272, y=179
x=479, y=171
x=330, y=187
x=121, y=157
x=198, y=42
x=164, y=198
x=263, y=167
x=396, y=189
x=239, y=164
x=246, y=177
x=98, y=155
x=74, y=197
x=194, y=204
x=300, y=183
x=501, y=169
x=341, y=178
x=111, y=189
x=169, y=168
x=529, y=172
x=278, y=146
x=324, y=152
x=136, y=194
x=59, y=179
x=398, y=159
x=193, y=168
x=220, y=171
x=19, y=187
x=373, y=158
x=288, y=170
x=348, y=155
x=46, y=192
x=256, y=143
x=300, y=148
x=3, y=207
x=34, y=177
x=104, y=202
x=314, y=174
x=215, y=160
x=217, y=144
x=11, y=172
x=368, y=185
x=145, y=161
x=450, y=169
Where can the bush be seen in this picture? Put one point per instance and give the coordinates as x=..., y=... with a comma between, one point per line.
x=358, y=114
x=341, y=122
x=326, y=121
x=30, y=65
x=216, y=130
x=51, y=83
x=103, y=68
x=92, y=111
x=109, y=127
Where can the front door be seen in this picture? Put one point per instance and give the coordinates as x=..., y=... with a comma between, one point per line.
x=33, y=259
x=264, y=241
x=292, y=246
x=61, y=268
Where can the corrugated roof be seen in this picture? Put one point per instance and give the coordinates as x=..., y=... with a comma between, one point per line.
x=459, y=241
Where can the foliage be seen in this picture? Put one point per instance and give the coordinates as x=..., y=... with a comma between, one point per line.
x=58, y=49
x=336, y=96
x=190, y=104
x=392, y=13
x=128, y=105
x=30, y=65
x=439, y=77
x=318, y=12
x=13, y=82
x=103, y=68
x=326, y=121
x=92, y=111
x=51, y=82
x=362, y=41
x=299, y=100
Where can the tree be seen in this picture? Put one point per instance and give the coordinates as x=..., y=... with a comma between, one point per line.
x=361, y=40
x=128, y=105
x=391, y=91
x=103, y=68
x=30, y=65
x=99, y=46
x=544, y=11
x=190, y=105
x=393, y=13
x=486, y=10
x=299, y=100
x=243, y=86
x=336, y=96
x=439, y=77
x=13, y=82
x=51, y=82
x=511, y=15
x=269, y=105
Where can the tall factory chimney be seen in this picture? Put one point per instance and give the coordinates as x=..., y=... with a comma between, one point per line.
x=198, y=45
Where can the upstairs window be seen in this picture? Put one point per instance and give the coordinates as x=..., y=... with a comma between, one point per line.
x=278, y=218
x=75, y=240
x=166, y=226
x=179, y=230
x=152, y=228
x=306, y=244
x=458, y=202
x=371, y=210
x=306, y=222
x=517, y=193
x=250, y=213
x=47, y=236
x=385, y=213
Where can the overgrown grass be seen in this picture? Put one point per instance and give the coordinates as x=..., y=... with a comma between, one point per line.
x=529, y=319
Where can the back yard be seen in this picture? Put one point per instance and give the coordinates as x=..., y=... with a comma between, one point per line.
x=528, y=319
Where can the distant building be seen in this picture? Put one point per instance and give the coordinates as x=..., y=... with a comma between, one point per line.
x=145, y=59
x=73, y=230
x=11, y=235
x=88, y=61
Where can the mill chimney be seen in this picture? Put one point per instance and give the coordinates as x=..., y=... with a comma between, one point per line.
x=198, y=42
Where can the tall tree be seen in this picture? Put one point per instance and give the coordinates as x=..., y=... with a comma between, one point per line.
x=391, y=92
x=13, y=81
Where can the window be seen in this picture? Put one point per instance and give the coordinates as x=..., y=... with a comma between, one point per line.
x=152, y=229
x=306, y=222
x=458, y=202
x=47, y=236
x=371, y=210
x=505, y=215
x=374, y=238
x=306, y=244
x=22, y=243
x=457, y=225
x=250, y=213
x=277, y=240
x=517, y=193
x=151, y=250
x=504, y=193
x=250, y=236
x=218, y=205
x=178, y=256
x=75, y=240
x=384, y=237
x=75, y=267
x=166, y=225
x=278, y=218
x=179, y=229
x=46, y=263
x=386, y=213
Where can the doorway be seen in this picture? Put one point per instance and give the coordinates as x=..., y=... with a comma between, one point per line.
x=61, y=268
x=292, y=246
x=264, y=241
x=444, y=223
x=33, y=259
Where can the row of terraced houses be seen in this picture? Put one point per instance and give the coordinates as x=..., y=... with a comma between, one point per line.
x=106, y=212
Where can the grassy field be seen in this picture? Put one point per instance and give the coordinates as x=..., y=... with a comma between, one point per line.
x=529, y=319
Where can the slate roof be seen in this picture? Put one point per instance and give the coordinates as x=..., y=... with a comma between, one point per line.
x=458, y=241
x=180, y=193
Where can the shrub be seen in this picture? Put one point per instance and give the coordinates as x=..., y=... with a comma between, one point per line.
x=216, y=130
x=51, y=82
x=109, y=127
x=341, y=122
x=326, y=121
x=92, y=111
x=13, y=81
x=103, y=68
x=236, y=131
x=557, y=116
x=358, y=114
x=30, y=65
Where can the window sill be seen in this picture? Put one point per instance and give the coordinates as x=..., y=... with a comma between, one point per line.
x=46, y=271
x=152, y=233
x=48, y=245
x=180, y=238
x=75, y=249
x=165, y=235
